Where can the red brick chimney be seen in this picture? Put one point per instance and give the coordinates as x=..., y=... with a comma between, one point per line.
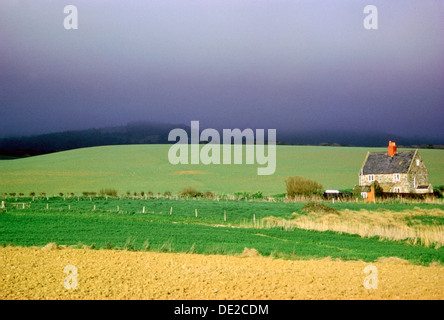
x=391, y=149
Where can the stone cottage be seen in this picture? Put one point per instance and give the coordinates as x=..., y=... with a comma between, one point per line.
x=395, y=171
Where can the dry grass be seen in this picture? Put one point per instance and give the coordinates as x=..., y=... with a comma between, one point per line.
x=382, y=223
x=250, y=253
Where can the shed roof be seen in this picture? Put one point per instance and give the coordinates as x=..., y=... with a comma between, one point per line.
x=381, y=163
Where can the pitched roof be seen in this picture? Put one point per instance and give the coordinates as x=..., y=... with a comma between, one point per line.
x=381, y=163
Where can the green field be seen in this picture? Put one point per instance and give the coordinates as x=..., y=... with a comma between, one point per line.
x=220, y=227
x=74, y=222
x=137, y=168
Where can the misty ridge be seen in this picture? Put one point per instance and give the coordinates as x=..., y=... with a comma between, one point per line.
x=151, y=132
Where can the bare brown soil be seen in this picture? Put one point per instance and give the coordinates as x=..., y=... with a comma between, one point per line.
x=35, y=273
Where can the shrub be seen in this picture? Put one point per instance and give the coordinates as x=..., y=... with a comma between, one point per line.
x=378, y=189
x=108, y=192
x=248, y=195
x=437, y=191
x=357, y=191
x=298, y=186
x=86, y=193
x=241, y=195
x=257, y=195
x=191, y=192
x=318, y=208
x=167, y=194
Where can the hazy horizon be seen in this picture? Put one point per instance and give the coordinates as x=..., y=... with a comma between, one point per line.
x=289, y=65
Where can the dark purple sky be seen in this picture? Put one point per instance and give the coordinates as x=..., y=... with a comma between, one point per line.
x=296, y=65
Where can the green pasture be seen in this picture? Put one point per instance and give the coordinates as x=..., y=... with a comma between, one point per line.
x=97, y=223
x=137, y=168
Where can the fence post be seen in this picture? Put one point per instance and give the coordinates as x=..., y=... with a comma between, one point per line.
x=143, y=210
x=171, y=210
x=225, y=215
x=195, y=212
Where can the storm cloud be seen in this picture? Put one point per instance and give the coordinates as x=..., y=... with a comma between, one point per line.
x=290, y=65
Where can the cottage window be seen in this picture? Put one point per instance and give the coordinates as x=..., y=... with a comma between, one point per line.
x=398, y=190
x=371, y=177
x=396, y=177
x=417, y=162
x=364, y=195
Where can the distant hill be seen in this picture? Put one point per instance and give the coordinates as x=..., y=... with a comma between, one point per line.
x=141, y=132
x=149, y=132
x=358, y=139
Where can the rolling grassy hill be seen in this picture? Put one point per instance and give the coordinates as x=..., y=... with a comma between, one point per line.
x=137, y=168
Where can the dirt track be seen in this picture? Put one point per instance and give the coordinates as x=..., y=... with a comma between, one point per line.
x=33, y=273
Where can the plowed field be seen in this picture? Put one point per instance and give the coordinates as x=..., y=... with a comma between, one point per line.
x=35, y=273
